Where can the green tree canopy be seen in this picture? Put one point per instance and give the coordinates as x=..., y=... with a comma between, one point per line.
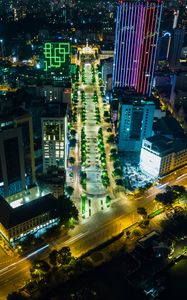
x=73, y=132
x=171, y=194
x=65, y=256
x=142, y=211
x=176, y=224
x=67, y=209
x=69, y=190
x=39, y=268
x=166, y=198
x=178, y=190
x=118, y=172
x=110, y=139
x=72, y=160
x=119, y=182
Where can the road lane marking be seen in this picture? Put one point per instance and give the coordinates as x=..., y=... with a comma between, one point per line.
x=24, y=259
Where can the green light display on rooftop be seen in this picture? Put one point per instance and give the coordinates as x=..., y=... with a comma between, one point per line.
x=56, y=55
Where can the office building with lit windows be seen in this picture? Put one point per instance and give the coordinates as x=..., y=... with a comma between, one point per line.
x=137, y=32
x=135, y=122
x=161, y=155
x=16, y=223
x=54, y=136
x=17, y=165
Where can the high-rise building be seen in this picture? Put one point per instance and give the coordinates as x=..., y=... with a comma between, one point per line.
x=107, y=67
x=17, y=166
x=164, y=43
x=137, y=31
x=135, y=122
x=54, y=136
x=177, y=40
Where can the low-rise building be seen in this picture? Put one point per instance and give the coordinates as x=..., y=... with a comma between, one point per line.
x=28, y=218
x=160, y=155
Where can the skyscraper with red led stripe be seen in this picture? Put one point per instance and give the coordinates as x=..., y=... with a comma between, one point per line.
x=137, y=31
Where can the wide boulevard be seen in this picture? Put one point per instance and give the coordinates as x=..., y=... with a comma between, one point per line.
x=88, y=234
x=92, y=231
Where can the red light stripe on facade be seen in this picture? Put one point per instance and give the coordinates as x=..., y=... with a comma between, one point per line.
x=145, y=50
x=141, y=54
x=152, y=12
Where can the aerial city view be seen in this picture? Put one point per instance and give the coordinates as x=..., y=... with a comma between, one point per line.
x=93, y=149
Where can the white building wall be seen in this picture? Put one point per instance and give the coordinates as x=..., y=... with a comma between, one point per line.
x=150, y=163
x=153, y=164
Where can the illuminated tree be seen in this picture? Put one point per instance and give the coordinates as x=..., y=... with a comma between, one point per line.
x=39, y=268
x=73, y=132
x=165, y=198
x=118, y=172
x=119, y=182
x=67, y=209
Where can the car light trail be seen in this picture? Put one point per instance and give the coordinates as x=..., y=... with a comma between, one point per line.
x=4, y=270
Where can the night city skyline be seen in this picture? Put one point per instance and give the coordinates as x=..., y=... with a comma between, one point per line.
x=93, y=149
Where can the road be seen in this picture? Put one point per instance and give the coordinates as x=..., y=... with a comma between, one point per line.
x=88, y=234
x=101, y=226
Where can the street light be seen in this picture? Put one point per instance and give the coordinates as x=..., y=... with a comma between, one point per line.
x=2, y=52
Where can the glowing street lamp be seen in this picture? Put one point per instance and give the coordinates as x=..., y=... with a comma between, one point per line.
x=2, y=52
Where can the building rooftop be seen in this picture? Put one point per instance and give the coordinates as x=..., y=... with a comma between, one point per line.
x=149, y=239
x=130, y=96
x=11, y=217
x=164, y=145
x=14, y=114
x=169, y=126
x=55, y=109
x=52, y=83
